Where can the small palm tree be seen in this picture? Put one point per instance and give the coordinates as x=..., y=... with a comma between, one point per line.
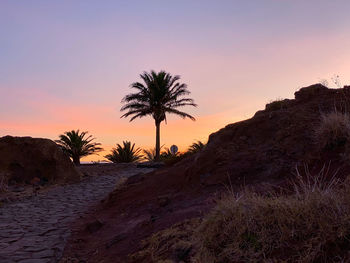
x=161, y=93
x=196, y=147
x=150, y=155
x=166, y=154
x=124, y=154
x=76, y=145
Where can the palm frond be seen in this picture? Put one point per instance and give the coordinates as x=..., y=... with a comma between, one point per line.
x=179, y=113
x=159, y=92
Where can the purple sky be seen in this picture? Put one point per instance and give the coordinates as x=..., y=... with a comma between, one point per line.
x=67, y=64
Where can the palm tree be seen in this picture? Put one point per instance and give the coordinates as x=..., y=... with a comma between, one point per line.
x=77, y=145
x=124, y=154
x=150, y=154
x=161, y=93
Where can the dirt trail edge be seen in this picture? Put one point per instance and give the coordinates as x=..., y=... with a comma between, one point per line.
x=36, y=229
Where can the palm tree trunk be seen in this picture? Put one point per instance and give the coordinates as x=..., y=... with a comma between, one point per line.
x=76, y=160
x=157, y=141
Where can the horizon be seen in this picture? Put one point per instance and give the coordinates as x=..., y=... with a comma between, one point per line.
x=67, y=65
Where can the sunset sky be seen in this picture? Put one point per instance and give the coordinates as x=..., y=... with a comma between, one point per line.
x=67, y=64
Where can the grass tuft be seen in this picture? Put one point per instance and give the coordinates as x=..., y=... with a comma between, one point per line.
x=305, y=183
x=277, y=104
x=333, y=130
x=312, y=225
x=173, y=244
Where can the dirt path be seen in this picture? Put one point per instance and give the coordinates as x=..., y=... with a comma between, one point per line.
x=35, y=230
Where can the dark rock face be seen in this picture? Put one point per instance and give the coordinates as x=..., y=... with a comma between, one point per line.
x=267, y=147
x=24, y=158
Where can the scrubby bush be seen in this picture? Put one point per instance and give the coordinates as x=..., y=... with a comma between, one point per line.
x=312, y=225
x=173, y=244
x=173, y=159
x=170, y=158
x=277, y=104
x=124, y=154
x=165, y=156
x=150, y=155
x=196, y=147
x=333, y=130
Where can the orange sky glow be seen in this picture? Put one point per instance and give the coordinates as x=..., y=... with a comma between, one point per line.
x=61, y=74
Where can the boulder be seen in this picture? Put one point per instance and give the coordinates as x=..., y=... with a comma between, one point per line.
x=24, y=159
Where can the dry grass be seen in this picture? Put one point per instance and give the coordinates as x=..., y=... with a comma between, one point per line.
x=333, y=130
x=173, y=244
x=277, y=104
x=305, y=183
x=312, y=225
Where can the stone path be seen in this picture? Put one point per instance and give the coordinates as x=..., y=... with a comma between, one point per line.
x=35, y=230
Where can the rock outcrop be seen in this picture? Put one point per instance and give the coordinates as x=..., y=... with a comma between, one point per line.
x=267, y=147
x=24, y=159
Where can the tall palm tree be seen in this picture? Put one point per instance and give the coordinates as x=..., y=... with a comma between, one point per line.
x=77, y=145
x=161, y=93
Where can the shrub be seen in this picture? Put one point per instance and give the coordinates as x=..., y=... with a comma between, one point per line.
x=150, y=155
x=125, y=153
x=173, y=244
x=333, y=130
x=167, y=154
x=277, y=104
x=196, y=147
x=312, y=225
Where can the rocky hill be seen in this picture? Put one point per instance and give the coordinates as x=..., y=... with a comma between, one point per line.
x=260, y=152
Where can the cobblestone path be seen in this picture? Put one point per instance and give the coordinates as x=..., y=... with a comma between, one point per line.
x=35, y=230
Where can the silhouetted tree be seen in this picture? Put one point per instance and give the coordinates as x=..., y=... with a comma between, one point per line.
x=125, y=153
x=76, y=145
x=161, y=93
